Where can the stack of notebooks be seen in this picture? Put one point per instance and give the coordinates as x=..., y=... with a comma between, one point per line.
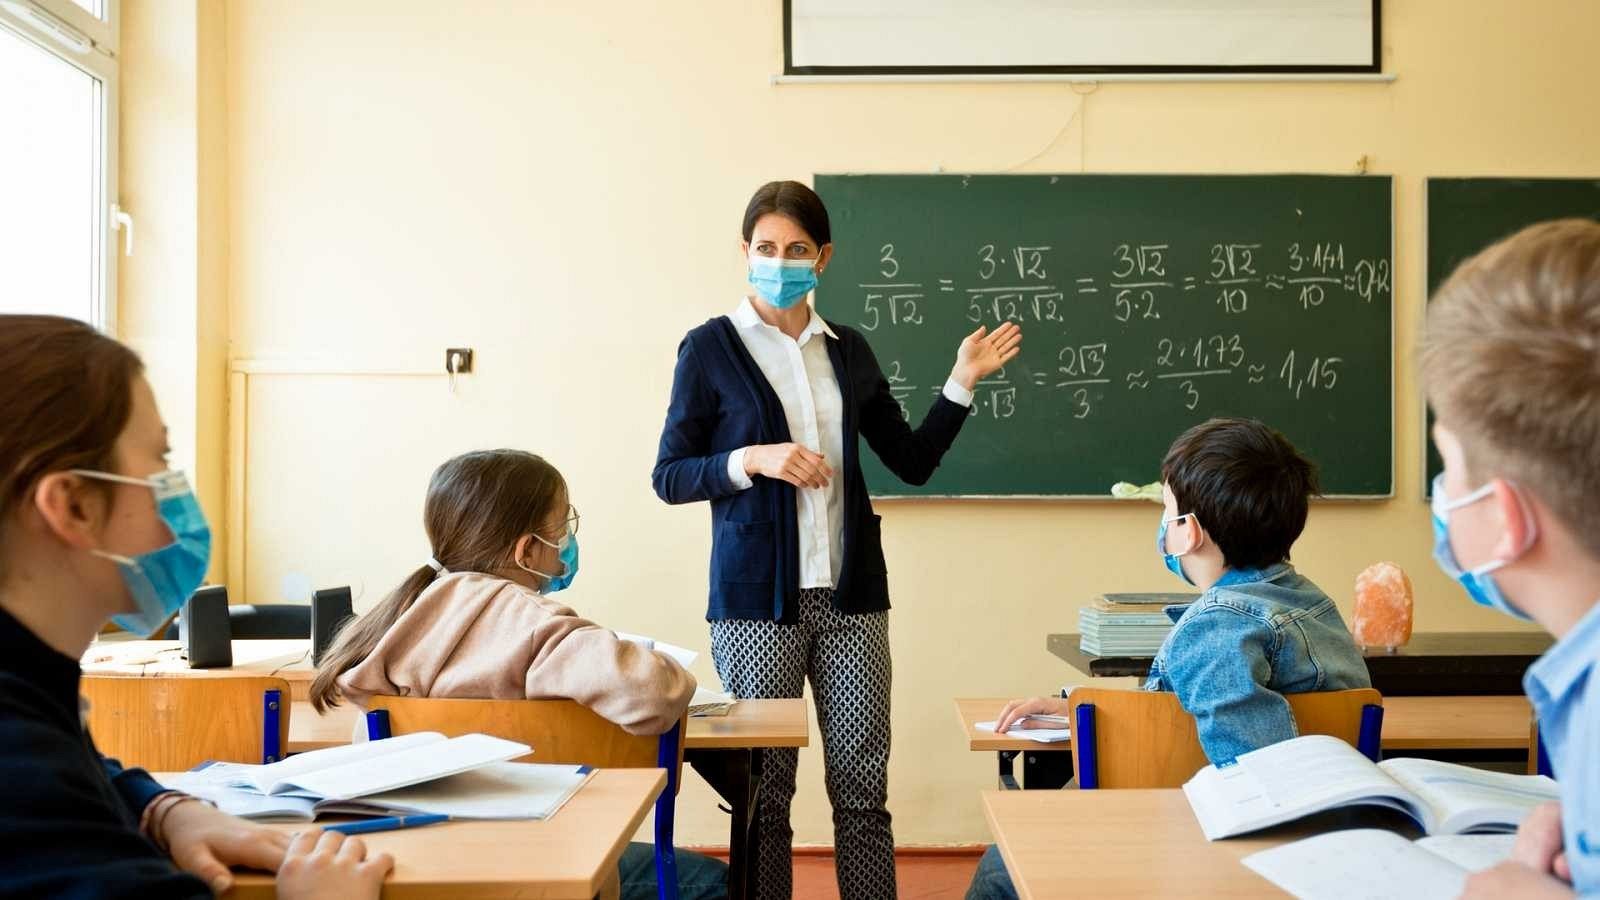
x=1127, y=624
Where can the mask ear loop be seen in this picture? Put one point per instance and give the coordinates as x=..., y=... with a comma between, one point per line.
x=1532, y=531
x=120, y=479
x=532, y=571
x=1193, y=547
x=108, y=476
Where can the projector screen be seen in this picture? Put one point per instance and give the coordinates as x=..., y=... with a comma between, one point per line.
x=976, y=37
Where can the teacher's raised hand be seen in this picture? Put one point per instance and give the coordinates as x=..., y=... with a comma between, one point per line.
x=983, y=352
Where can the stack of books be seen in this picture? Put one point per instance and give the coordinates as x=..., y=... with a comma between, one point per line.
x=1128, y=624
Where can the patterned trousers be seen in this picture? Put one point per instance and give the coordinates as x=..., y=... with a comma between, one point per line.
x=847, y=659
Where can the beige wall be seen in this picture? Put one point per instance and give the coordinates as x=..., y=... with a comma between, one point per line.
x=561, y=190
x=173, y=305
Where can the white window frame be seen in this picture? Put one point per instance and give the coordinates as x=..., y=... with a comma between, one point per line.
x=55, y=25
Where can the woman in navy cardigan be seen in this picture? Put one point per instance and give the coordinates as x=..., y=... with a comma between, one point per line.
x=767, y=405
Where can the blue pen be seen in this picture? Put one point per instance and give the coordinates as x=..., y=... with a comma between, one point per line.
x=390, y=824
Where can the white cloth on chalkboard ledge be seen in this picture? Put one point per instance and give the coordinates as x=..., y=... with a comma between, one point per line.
x=802, y=376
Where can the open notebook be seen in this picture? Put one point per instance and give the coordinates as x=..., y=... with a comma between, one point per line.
x=1379, y=865
x=1313, y=773
x=1047, y=735
x=683, y=656
x=706, y=702
x=463, y=777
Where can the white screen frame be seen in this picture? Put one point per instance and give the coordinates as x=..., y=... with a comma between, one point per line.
x=875, y=38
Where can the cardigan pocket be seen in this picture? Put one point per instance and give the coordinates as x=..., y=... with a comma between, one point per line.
x=870, y=543
x=745, y=552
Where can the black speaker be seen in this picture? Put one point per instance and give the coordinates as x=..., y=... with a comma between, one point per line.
x=330, y=610
x=204, y=629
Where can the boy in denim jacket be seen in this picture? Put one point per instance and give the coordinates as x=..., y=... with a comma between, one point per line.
x=1236, y=495
x=1511, y=363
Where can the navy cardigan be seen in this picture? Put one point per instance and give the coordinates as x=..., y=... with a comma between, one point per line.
x=721, y=401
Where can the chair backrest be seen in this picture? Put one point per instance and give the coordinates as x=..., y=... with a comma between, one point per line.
x=1538, y=756
x=1145, y=739
x=560, y=731
x=172, y=723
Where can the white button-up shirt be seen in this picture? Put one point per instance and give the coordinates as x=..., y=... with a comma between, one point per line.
x=802, y=376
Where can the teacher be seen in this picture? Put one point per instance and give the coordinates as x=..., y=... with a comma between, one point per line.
x=767, y=406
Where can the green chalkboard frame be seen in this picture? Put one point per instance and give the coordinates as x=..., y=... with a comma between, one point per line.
x=1466, y=214
x=1365, y=202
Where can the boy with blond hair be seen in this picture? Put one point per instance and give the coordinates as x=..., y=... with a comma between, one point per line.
x=1511, y=362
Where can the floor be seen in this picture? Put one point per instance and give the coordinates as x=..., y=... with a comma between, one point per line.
x=938, y=876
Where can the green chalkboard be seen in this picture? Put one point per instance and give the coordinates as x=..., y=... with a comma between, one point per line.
x=1466, y=215
x=1148, y=303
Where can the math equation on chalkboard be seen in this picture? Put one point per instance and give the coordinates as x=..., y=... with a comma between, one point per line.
x=1027, y=286
x=1147, y=304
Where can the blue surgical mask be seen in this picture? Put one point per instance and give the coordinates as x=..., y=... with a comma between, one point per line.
x=782, y=282
x=1478, y=582
x=160, y=581
x=567, y=553
x=1174, y=565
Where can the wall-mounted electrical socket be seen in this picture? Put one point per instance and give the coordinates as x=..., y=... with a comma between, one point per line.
x=458, y=360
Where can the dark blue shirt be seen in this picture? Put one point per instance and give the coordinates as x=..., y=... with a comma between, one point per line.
x=720, y=402
x=69, y=819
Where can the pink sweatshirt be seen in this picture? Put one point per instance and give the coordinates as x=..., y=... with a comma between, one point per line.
x=477, y=636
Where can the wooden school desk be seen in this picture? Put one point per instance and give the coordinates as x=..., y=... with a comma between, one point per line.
x=1494, y=723
x=573, y=854
x=287, y=659
x=1044, y=766
x=728, y=752
x=1134, y=843
x=1432, y=664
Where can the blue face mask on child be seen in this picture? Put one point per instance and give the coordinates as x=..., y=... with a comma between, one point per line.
x=567, y=550
x=1174, y=565
x=160, y=581
x=1478, y=582
x=782, y=282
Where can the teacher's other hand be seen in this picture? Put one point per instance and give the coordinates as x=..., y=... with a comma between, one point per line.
x=793, y=463
x=983, y=352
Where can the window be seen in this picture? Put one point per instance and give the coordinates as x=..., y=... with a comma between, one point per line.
x=58, y=109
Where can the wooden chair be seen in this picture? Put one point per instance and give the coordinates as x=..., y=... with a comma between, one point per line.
x=560, y=731
x=174, y=723
x=1145, y=739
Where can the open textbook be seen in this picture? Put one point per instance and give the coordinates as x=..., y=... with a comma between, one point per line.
x=1379, y=865
x=1314, y=773
x=462, y=777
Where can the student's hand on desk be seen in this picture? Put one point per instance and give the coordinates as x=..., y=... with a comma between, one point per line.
x=206, y=842
x=1017, y=710
x=1539, y=842
x=327, y=865
x=983, y=352
x=793, y=463
x=1513, y=879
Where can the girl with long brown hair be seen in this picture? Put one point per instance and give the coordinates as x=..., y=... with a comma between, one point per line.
x=478, y=620
x=93, y=527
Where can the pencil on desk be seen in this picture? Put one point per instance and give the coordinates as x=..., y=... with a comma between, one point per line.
x=390, y=824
